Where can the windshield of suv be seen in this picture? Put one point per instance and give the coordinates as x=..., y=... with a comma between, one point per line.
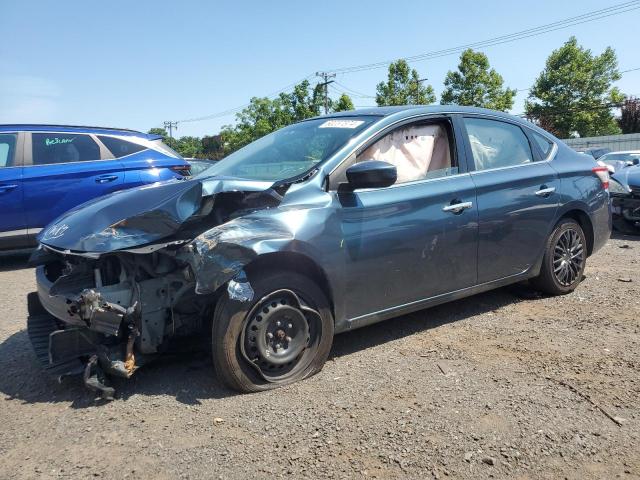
x=290, y=151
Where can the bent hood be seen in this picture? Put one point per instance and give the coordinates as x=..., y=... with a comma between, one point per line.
x=138, y=216
x=629, y=176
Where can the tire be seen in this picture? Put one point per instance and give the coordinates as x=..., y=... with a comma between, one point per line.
x=564, y=259
x=234, y=340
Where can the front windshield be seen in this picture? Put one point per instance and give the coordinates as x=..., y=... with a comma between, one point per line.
x=290, y=151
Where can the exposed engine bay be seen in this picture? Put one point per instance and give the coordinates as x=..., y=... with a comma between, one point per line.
x=121, y=296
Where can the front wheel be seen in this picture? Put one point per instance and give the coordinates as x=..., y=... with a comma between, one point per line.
x=564, y=259
x=284, y=334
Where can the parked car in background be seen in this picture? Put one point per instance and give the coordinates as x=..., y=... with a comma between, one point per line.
x=46, y=170
x=595, y=152
x=625, y=190
x=620, y=160
x=321, y=227
x=199, y=165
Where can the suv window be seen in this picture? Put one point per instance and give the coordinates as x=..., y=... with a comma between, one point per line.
x=120, y=148
x=544, y=144
x=418, y=151
x=7, y=149
x=496, y=144
x=51, y=148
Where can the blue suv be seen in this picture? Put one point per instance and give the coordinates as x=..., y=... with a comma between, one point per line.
x=46, y=170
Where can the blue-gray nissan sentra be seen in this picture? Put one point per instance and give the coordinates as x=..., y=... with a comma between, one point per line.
x=324, y=226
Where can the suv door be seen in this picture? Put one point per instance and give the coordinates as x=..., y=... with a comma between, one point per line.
x=518, y=196
x=62, y=170
x=418, y=238
x=12, y=218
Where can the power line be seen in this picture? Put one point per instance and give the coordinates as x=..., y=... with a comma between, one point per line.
x=512, y=37
x=170, y=126
x=224, y=113
x=325, y=77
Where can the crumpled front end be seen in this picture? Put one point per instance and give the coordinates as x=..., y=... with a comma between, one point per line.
x=109, y=310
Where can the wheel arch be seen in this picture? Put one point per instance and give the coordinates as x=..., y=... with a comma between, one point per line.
x=295, y=262
x=585, y=223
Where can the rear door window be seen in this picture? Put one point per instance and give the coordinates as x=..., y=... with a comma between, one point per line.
x=120, y=148
x=53, y=148
x=497, y=144
x=7, y=149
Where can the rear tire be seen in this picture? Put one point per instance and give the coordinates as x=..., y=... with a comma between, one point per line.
x=248, y=357
x=564, y=259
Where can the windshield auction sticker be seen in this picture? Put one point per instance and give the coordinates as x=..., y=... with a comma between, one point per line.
x=341, y=124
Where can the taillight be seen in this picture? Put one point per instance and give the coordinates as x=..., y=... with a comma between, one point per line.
x=603, y=175
x=184, y=170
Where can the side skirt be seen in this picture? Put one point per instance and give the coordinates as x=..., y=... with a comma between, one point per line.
x=375, y=317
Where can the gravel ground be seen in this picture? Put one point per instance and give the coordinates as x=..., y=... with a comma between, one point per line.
x=502, y=385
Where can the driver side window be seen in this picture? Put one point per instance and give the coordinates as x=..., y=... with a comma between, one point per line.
x=418, y=151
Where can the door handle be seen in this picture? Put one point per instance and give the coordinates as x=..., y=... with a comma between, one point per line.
x=457, y=207
x=106, y=178
x=7, y=188
x=545, y=192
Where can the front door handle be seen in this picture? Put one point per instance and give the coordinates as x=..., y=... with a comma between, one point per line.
x=7, y=188
x=106, y=178
x=457, y=207
x=545, y=192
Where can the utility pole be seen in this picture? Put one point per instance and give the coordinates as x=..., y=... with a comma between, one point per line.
x=325, y=77
x=170, y=126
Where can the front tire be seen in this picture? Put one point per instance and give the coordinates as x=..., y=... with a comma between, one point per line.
x=564, y=259
x=284, y=334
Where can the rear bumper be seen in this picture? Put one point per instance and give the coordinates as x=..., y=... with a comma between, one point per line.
x=602, y=225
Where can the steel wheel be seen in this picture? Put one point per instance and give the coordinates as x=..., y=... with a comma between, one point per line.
x=279, y=337
x=568, y=257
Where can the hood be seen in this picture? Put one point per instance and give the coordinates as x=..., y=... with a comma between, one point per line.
x=629, y=176
x=138, y=216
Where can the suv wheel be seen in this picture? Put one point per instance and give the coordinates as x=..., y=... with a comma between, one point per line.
x=564, y=259
x=281, y=336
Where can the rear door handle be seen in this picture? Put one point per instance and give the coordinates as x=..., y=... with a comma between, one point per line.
x=545, y=192
x=457, y=207
x=106, y=178
x=7, y=188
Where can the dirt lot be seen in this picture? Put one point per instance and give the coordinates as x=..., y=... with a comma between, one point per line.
x=497, y=385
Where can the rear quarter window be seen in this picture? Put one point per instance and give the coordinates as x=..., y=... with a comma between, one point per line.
x=119, y=147
x=53, y=148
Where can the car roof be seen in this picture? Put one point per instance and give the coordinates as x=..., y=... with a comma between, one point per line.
x=622, y=151
x=33, y=127
x=401, y=111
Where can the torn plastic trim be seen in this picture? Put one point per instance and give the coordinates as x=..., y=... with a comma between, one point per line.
x=239, y=288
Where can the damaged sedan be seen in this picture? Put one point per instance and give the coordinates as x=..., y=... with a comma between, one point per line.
x=321, y=227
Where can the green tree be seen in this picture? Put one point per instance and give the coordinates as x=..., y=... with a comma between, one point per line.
x=343, y=104
x=629, y=121
x=574, y=93
x=264, y=115
x=159, y=131
x=403, y=87
x=476, y=84
x=189, y=147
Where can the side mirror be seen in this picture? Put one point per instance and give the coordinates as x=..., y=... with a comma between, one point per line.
x=636, y=161
x=371, y=174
